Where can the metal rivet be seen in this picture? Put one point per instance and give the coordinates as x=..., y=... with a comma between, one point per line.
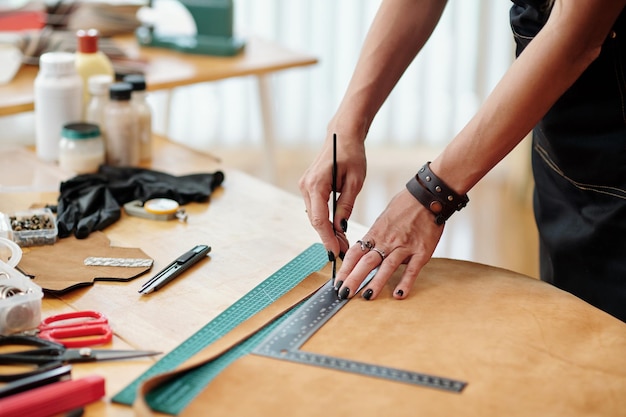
x=428, y=178
x=438, y=189
x=450, y=198
x=435, y=207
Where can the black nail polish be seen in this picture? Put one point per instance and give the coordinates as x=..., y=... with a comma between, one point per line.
x=400, y=293
x=368, y=293
x=338, y=285
x=331, y=256
x=344, y=293
x=344, y=225
x=342, y=255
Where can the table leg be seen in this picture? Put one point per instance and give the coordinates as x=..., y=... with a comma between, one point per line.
x=267, y=118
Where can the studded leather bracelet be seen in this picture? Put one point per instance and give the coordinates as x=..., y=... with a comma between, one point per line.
x=435, y=195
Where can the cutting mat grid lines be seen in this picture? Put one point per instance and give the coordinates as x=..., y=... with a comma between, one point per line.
x=173, y=397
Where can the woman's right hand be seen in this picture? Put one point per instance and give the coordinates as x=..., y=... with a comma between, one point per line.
x=316, y=188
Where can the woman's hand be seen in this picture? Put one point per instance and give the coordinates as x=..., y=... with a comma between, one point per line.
x=405, y=233
x=316, y=188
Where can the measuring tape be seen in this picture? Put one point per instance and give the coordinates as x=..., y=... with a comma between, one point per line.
x=285, y=340
x=156, y=209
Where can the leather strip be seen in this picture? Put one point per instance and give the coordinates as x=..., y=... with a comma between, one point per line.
x=437, y=187
x=426, y=198
x=524, y=347
x=240, y=333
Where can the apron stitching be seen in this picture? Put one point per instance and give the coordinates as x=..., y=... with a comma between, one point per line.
x=601, y=189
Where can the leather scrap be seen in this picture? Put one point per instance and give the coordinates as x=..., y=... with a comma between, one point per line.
x=60, y=267
x=525, y=348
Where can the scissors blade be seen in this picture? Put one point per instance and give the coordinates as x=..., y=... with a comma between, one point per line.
x=111, y=355
x=90, y=355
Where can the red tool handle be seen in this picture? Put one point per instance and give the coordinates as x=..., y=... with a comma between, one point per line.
x=79, y=336
x=92, y=330
x=92, y=317
x=54, y=398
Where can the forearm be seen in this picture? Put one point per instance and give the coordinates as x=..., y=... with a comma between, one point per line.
x=398, y=32
x=553, y=61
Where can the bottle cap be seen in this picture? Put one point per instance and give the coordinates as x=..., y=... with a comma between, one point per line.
x=120, y=91
x=87, y=41
x=57, y=63
x=138, y=81
x=80, y=131
x=99, y=84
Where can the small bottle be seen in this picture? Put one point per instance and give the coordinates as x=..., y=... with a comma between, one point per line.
x=99, y=92
x=90, y=60
x=122, y=144
x=143, y=113
x=81, y=149
x=58, y=99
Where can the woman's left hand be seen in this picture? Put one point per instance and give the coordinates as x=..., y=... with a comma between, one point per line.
x=405, y=233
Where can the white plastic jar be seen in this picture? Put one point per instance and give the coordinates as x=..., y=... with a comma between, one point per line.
x=81, y=149
x=99, y=89
x=58, y=100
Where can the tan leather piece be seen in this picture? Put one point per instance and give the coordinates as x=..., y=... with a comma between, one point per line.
x=60, y=267
x=523, y=346
x=244, y=330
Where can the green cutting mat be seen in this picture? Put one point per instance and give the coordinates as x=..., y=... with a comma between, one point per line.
x=174, y=396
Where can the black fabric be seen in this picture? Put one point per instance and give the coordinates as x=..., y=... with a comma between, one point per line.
x=92, y=202
x=579, y=166
x=527, y=19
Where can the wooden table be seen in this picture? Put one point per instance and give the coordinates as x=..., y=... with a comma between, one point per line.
x=254, y=229
x=167, y=69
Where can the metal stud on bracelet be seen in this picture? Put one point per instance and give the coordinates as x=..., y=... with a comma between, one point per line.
x=426, y=198
x=435, y=195
x=437, y=187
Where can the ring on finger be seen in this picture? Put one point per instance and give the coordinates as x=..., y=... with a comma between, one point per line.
x=365, y=245
x=380, y=252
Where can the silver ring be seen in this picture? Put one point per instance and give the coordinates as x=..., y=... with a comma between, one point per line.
x=380, y=252
x=365, y=245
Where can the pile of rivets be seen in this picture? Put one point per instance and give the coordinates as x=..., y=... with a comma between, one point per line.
x=33, y=229
x=34, y=222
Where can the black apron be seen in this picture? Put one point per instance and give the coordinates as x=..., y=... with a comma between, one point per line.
x=579, y=166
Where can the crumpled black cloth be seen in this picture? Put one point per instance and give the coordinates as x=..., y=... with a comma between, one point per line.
x=91, y=202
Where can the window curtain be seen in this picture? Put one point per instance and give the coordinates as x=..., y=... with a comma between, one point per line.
x=467, y=54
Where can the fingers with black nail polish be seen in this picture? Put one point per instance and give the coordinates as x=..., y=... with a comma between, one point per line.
x=344, y=293
x=399, y=293
x=344, y=225
x=367, y=294
x=331, y=256
x=338, y=285
x=342, y=255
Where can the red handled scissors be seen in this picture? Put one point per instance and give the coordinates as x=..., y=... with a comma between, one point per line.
x=45, y=355
x=76, y=329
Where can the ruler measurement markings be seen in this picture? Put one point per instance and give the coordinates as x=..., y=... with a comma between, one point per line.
x=284, y=342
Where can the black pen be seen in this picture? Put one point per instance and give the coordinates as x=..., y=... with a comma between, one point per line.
x=334, y=273
x=180, y=265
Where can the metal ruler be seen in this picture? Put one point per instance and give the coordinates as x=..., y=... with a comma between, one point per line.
x=173, y=396
x=285, y=340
